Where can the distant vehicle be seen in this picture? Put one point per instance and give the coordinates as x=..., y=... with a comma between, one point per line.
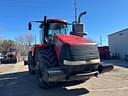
x=104, y=52
x=11, y=56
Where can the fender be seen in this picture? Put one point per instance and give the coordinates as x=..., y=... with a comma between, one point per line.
x=37, y=46
x=57, y=48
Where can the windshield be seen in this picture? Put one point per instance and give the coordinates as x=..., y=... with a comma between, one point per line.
x=57, y=28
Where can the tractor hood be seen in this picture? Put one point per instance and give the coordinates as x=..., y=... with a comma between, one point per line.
x=72, y=47
x=74, y=40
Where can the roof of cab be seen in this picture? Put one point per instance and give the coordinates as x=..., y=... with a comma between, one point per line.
x=57, y=20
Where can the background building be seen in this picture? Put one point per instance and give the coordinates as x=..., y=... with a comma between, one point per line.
x=118, y=44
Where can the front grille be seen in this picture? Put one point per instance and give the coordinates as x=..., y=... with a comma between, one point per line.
x=83, y=52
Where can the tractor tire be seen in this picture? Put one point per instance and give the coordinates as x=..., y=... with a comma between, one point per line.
x=53, y=58
x=45, y=62
x=30, y=64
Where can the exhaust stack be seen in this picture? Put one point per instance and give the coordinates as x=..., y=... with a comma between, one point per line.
x=81, y=14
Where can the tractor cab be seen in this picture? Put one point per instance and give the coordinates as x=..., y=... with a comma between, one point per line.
x=55, y=27
x=50, y=28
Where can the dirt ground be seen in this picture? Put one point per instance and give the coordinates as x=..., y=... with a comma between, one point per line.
x=16, y=81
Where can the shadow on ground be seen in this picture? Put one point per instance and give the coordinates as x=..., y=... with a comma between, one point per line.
x=120, y=63
x=23, y=84
x=7, y=63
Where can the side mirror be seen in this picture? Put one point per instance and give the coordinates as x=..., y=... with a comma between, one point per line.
x=29, y=26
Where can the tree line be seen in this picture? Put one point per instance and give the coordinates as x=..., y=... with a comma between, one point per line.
x=22, y=43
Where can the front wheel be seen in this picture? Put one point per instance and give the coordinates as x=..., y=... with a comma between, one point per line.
x=44, y=65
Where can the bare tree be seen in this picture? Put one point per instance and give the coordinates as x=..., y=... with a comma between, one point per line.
x=6, y=44
x=1, y=41
x=25, y=39
x=20, y=40
x=23, y=42
x=28, y=38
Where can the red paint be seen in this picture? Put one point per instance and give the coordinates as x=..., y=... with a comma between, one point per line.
x=103, y=49
x=37, y=46
x=58, y=46
x=33, y=50
x=74, y=40
x=57, y=50
x=40, y=45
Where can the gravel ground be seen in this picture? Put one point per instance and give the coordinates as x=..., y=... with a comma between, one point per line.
x=16, y=81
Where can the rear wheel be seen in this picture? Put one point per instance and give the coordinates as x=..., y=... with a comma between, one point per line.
x=30, y=64
x=46, y=61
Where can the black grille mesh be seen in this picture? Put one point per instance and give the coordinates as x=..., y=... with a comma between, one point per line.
x=83, y=52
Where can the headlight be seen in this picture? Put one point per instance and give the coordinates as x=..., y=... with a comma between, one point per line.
x=66, y=62
x=93, y=61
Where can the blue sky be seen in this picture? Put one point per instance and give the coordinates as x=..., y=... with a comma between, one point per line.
x=103, y=16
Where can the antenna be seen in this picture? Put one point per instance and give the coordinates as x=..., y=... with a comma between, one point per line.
x=75, y=11
x=100, y=40
x=35, y=39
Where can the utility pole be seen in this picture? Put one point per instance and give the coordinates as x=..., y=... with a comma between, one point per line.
x=100, y=40
x=75, y=6
x=35, y=39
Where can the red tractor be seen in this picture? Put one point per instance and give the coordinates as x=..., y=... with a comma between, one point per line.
x=11, y=56
x=104, y=52
x=62, y=57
